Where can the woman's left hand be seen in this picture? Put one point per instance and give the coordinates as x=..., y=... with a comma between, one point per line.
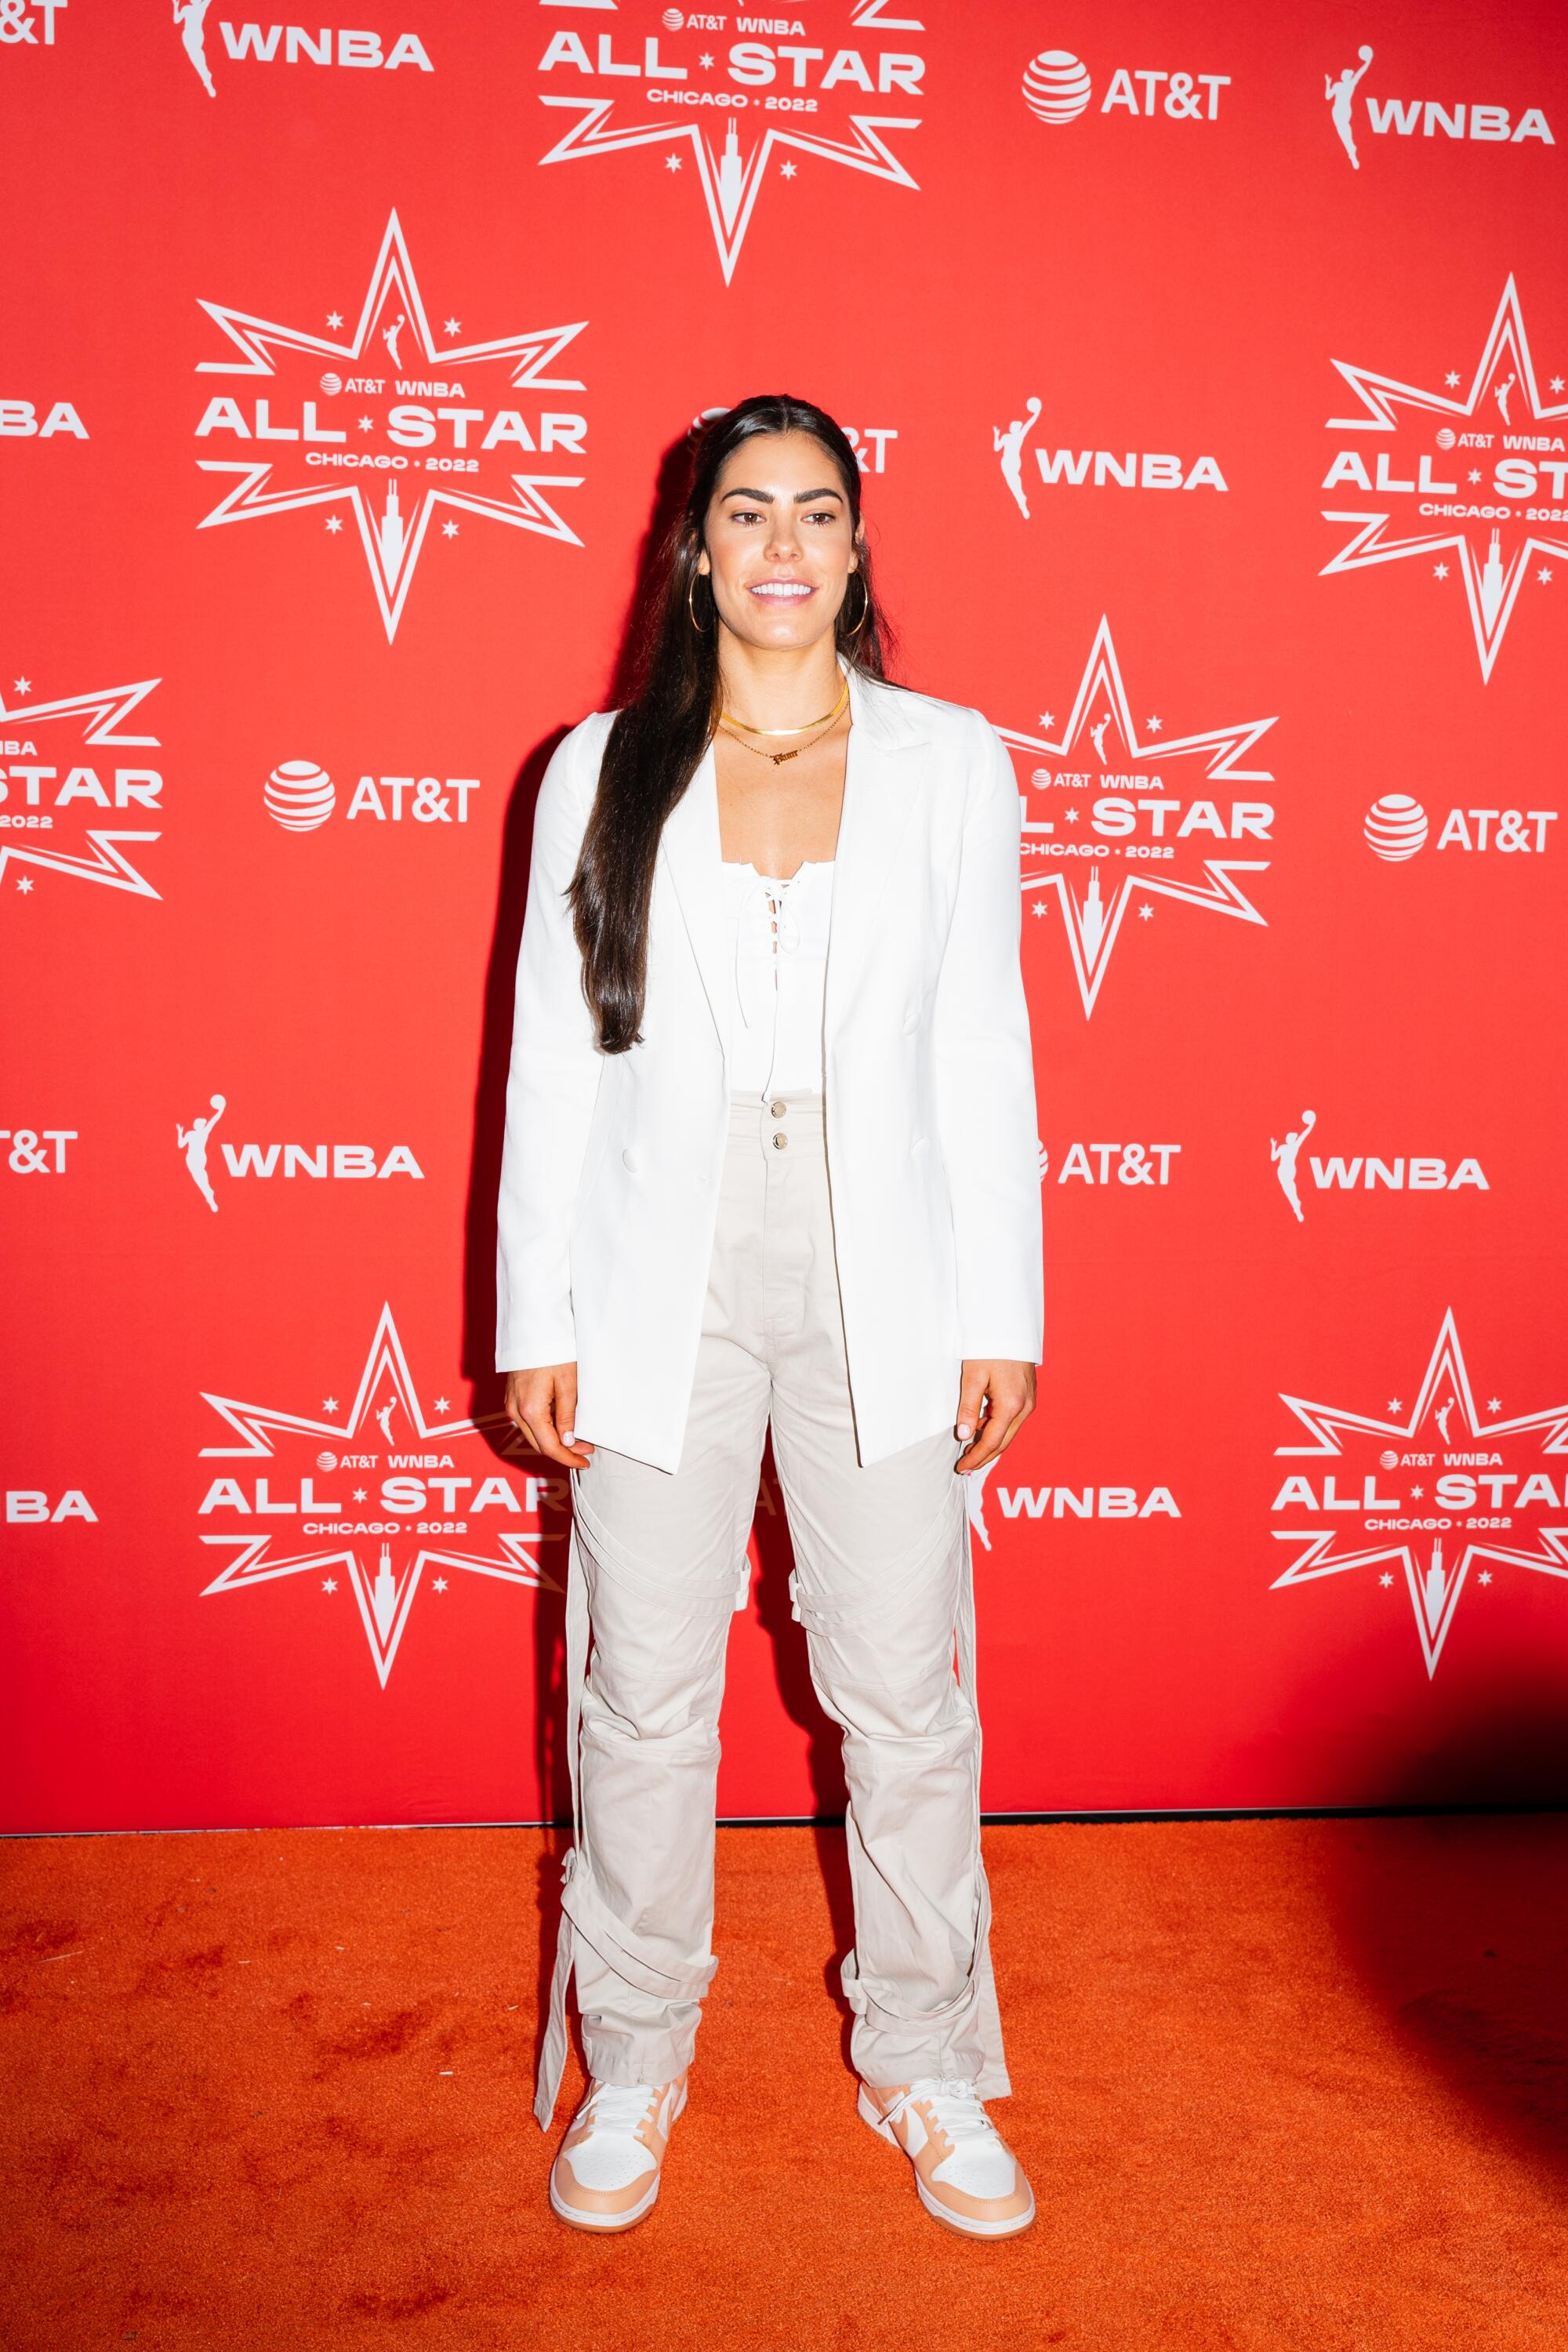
x=1009, y=1390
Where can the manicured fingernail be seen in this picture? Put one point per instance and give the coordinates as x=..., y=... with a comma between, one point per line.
x=965, y=1430
x=568, y=1436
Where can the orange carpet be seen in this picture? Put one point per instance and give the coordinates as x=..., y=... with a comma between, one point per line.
x=1278, y=2084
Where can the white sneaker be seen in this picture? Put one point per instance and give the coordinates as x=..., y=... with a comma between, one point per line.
x=605, y=2175
x=967, y=2175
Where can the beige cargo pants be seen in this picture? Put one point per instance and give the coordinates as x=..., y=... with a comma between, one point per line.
x=656, y=1569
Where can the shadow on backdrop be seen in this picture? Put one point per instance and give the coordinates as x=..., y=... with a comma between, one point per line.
x=1456, y=1923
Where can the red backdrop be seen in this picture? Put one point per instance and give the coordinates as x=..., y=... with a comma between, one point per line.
x=1207, y=365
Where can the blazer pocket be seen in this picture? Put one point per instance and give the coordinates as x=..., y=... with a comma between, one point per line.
x=917, y=1015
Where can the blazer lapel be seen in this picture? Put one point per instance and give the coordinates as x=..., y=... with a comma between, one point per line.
x=880, y=788
x=692, y=854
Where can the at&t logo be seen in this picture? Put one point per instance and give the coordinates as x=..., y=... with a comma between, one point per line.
x=1136, y=1166
x=30, y=24
x=1395, y=827
x=37, y=1150
x=869, y=442
x=301, y=797
x=1059, y=87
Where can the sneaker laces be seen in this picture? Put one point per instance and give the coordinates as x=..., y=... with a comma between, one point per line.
x=956, y=2106
x=619, y=2107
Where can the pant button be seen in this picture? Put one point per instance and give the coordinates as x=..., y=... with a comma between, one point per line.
x=780, y=1141
x=778, y=1109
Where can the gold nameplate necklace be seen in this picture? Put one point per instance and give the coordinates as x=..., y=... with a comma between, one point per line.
x=728, y=722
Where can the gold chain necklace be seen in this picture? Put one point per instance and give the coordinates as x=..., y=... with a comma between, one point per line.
x=778, y=757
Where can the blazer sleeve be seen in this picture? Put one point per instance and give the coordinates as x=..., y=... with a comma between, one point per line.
x=985, y=1074
x=552, y=1080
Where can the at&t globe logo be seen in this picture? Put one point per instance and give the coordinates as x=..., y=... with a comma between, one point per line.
x=300, y=795
x=1056, y=86
x=1395, y=827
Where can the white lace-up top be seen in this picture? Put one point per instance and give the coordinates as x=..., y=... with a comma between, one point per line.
x=778, y=941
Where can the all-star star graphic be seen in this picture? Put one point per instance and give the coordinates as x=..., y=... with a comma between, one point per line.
x=1486, y=1473
x=76, y=791
x=1528, y=467
x=1123, y=783
x=425, y=414
x=420, y=1465
x=730, y=177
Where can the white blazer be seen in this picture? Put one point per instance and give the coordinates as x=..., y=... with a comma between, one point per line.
x=609, y=1186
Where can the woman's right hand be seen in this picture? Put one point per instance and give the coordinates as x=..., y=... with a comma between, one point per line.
x=542, y=1403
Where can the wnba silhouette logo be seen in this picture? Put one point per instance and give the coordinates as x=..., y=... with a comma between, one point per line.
x=1096, y=1502
x=734, y=117
x=1430, y=117
x=291, y=44
x=1100, y=469
x=1364, y=1173
x=322, y=1161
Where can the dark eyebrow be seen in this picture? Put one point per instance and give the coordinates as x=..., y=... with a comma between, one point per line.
x=765, y=498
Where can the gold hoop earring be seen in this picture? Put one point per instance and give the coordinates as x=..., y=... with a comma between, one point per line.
x=865, y=605
x=691, y=608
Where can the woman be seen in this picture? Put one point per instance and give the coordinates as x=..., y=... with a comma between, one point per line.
x=771, y=1155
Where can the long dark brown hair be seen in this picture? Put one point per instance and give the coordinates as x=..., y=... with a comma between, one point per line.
x=659, y=736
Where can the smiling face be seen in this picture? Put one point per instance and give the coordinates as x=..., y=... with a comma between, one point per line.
x=779, y=540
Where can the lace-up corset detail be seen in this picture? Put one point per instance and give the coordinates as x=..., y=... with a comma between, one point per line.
x=778, y=937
